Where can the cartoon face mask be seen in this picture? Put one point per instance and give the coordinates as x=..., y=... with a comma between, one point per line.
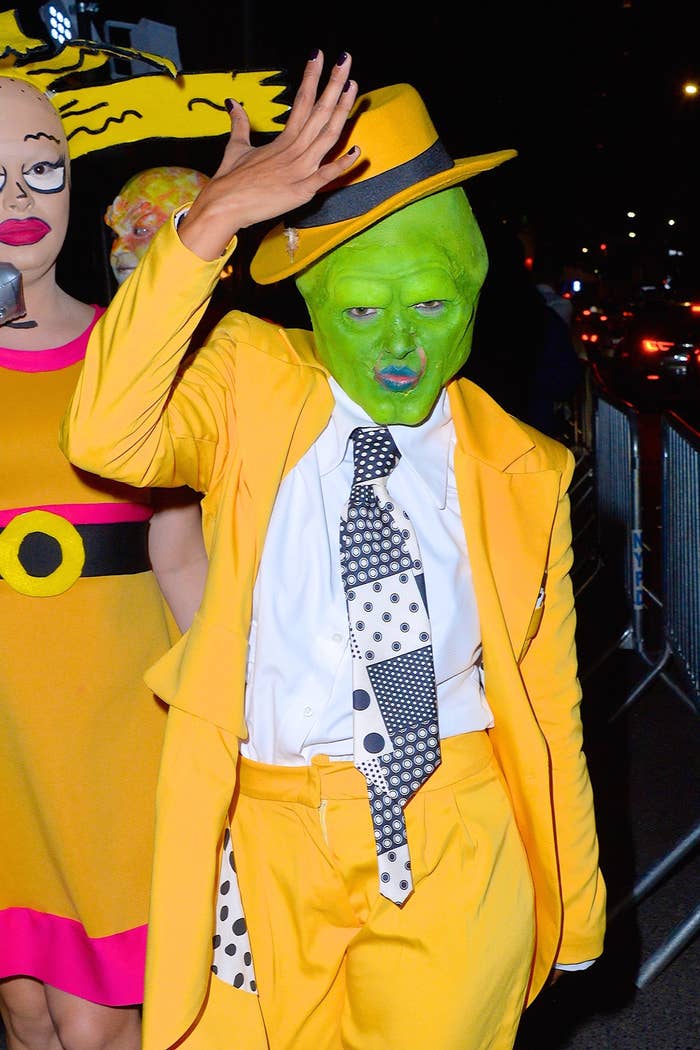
x=141, y=207
x=34, y=180
x=393, y=308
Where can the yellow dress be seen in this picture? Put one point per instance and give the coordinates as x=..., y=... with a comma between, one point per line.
x=81, y=618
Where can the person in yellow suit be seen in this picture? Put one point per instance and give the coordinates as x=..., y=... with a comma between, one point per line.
x=286, y=913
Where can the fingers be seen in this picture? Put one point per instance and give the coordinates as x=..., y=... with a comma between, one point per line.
x=333, y=112
x=305, y=96
x=239, y=138
x=311, y=111
x=334, y=169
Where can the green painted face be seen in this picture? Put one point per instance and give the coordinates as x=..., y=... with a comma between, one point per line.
x=393, y=308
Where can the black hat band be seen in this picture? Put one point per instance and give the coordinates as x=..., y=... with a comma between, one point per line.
x=359, y=198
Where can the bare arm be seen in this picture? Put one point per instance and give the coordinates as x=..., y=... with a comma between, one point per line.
x=177, y=552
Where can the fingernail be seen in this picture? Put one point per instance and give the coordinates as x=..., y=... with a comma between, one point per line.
x=229, y=104
x=353, y=149
x=314, y=55
x=346, y=85
x=342, y=59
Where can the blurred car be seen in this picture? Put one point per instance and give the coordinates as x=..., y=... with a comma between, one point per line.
x=597, y=329
x=657, y=356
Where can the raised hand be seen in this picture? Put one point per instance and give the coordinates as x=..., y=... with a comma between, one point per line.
x=256, y=183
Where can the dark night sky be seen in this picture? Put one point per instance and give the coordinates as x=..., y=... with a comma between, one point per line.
x=588, y=94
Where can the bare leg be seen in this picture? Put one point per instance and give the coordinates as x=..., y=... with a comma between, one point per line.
x=25, y=1014
x=82, y=1025
x=39, y=1017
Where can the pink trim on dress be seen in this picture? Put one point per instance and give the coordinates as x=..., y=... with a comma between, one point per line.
x=53, y=358
x=86, y=513
x=58, y=951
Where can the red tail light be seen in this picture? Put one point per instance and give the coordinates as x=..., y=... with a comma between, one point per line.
x=655, y=346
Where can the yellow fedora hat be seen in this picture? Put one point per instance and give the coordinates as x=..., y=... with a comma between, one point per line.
x=402, y=160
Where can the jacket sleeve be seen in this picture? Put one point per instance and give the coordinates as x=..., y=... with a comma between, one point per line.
x=555, y=693
x=132, y=417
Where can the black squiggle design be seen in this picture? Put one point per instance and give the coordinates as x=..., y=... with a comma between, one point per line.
x=10, y=50
x=204, y=102
x=43, y=135
x=110, y=120
x=65, y=112
x=57, y=71
x=115, y=52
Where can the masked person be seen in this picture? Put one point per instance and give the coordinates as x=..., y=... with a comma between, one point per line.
x=82, y=616
x=373, y=792
x=178, y=557
x=142, y=205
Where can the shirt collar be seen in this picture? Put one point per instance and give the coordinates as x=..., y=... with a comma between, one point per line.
x=424, y=448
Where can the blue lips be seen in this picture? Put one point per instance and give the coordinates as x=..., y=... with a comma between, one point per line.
x=398, y=378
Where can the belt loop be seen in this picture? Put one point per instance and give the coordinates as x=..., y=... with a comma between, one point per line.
x=315, y=784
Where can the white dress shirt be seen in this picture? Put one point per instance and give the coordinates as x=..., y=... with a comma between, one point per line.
x=299, y=685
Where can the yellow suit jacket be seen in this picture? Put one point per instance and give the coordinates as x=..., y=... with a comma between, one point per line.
x=231, y=425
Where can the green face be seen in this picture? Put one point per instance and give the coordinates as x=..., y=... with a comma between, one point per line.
x=393, y=308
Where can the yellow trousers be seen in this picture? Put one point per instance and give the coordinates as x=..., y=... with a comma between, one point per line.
x=338, y=967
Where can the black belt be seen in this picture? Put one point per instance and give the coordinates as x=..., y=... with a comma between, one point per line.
x=112, y=549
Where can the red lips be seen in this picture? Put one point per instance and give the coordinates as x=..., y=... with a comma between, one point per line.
x=23, y=231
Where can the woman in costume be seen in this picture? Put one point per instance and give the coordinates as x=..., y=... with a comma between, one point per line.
x=82, y=617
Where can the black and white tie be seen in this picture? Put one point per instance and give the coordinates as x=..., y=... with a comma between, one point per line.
x=395, y=722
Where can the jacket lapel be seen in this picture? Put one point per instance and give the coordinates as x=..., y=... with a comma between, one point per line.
x=300, y=404
x=508, y=510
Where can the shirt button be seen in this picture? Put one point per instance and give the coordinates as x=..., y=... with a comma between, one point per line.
x=337, y=638
x=308, y=711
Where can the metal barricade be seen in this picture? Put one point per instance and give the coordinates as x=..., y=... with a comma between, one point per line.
x=680, y=566
x=681, y=546
x=617, y=463
x=617, y=489
x=680, y=572
x=618, y=498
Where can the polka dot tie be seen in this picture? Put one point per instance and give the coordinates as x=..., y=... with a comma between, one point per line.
x=395, y=724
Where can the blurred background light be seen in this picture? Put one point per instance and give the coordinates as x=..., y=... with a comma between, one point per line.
x=61, y=20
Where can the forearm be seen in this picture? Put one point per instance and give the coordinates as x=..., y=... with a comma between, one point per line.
x=177, y=552
x=182, y=589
